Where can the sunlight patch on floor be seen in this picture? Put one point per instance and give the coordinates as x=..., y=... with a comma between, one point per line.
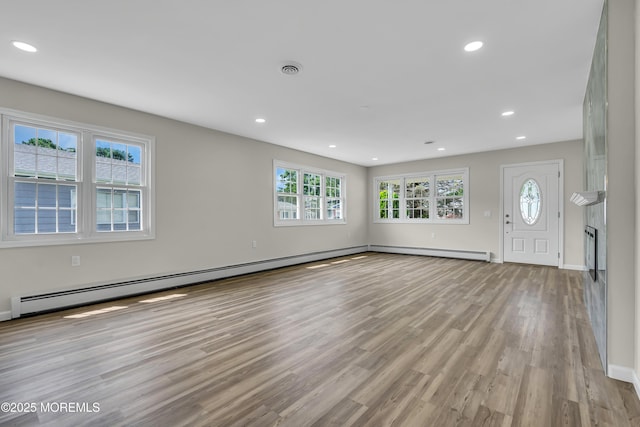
x=313, y=267
x=164, y=298
x=95, y=312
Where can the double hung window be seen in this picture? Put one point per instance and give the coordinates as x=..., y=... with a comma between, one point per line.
x=430, y=197
x=65, y=182
x=305, y=196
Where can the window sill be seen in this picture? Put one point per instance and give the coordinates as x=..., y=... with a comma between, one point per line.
x=423, y=221
x=58, y=240
x=308, y=223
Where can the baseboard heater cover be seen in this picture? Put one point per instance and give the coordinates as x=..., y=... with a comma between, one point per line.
x=443, y=253
x=34, y=304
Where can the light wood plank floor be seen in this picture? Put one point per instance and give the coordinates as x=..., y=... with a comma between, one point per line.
x=369, y=340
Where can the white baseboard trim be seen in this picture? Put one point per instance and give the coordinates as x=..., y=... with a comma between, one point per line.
x=636, y=384
x=32, y=304
x=5, y=315
x=443, y=253
x=497, y=260
x=622, y=373
x=573, y=267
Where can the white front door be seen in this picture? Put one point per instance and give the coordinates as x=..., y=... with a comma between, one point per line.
x=531, y=214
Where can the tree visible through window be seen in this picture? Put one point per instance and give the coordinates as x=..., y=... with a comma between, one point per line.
x=438, y=197
x=287, y=191
x=303, y=196
x=450, y=196
x=45, y=181
x=118, y=172
x=389, y=199
x=417, y=195
x=54, y=192
x=333, y=188
x=312, y=196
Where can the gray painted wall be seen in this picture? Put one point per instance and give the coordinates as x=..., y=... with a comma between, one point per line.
x=217, y=228
x=483, y=233
x=203, y=218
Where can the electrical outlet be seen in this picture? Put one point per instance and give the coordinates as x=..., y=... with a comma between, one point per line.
x=254, y=244
x=75, y=260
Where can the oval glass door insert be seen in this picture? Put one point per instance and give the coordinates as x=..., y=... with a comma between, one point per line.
x=530, y=201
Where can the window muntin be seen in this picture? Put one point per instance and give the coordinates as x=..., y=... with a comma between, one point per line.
x=450, y=196
x=118, y=185
x=44, y=208
x=44, y=153
x=430, y=197
x=312, y=196
x=287, y=207
x=118, y=163
x=52, y=179
x=417, y=196
x=304, y=196
x=287, y=194
x=333, y=187
x=43, y=159
x=389, y=199
x=118, y=209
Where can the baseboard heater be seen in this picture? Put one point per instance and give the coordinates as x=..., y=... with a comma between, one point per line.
x=443, y=253
x=34, y=304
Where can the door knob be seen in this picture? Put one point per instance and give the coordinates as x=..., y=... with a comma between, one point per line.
x=508, y=222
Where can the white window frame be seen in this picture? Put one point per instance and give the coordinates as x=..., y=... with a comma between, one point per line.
x=433, y=210
x=300, y=220
x=86, y=214
x=143, y=188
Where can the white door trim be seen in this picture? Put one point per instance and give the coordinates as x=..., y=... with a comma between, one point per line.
x=560, y=163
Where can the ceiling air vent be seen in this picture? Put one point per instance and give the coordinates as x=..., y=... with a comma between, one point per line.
x=291, y=68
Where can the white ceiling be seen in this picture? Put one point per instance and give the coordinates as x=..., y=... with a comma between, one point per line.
x=379, y=77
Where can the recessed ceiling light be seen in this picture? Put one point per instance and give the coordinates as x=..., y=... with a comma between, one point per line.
x=261, y=120
x=521, y=137
x=374, y=158
x=332, y=146
x=441, y=149
x=24, y=46
x=508, y=113
x=473, y=46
